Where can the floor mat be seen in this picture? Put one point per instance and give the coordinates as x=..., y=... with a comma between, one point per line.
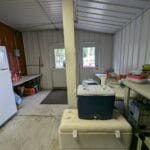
x=56, y=97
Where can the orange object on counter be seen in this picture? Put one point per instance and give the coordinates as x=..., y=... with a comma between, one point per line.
x=29, y=91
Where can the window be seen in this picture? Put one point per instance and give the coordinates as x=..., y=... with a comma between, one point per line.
x=88, y=57
x=59, y=54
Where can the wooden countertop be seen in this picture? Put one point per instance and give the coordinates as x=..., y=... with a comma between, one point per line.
x=142, y=89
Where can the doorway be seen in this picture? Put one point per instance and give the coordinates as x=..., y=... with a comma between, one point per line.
x=58, y=70
x=88, y=60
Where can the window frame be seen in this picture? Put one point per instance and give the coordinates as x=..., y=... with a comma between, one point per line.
x=89, y=46
x=55, y=66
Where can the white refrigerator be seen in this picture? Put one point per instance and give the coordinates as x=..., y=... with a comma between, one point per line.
x=7, y=98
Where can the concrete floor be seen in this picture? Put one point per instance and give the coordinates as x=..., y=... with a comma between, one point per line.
x=34, y=127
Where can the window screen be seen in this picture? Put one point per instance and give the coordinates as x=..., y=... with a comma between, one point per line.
x=88, y=57
x=59, y=54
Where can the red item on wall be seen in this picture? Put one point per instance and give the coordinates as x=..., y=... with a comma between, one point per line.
x=15, y=77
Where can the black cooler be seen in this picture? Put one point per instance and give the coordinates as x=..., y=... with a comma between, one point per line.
x=95, y=102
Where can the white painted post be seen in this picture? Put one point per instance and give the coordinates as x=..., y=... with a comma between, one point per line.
x=69, y=40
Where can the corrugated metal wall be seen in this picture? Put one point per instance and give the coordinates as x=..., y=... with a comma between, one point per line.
x=104, y=46
x=132, y=45
x=38, y=44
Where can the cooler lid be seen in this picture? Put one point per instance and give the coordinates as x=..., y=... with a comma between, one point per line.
x=70, y=122
x=90, y=90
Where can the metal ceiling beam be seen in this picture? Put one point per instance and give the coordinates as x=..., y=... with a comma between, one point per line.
x=51, y=0
x=80, y=11
x=75, y=10
x=126, y=3
x=39, y=25
x=41, y=6
x=102, y=20
x=102, y=17
x=11, y=25
x=98, y=22
x=53, y=7
x=95, y=28
x=146, y=9
x=91, y=4
x=105, y=12
x=98, y=25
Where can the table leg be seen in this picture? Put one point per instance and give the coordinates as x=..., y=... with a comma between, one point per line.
x=139, y=144
x=126, y=98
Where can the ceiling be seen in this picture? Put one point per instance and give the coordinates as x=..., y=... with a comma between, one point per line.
x=95, y=15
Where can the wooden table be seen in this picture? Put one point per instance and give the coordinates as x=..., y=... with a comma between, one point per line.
x=142, y=89
x=119, y=92
x=24, y=79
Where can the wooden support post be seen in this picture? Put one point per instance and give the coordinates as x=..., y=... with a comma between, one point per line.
x=69, y=40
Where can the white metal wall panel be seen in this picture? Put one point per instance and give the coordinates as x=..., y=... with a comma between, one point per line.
x=135, y=44
x=137, y=37
x=42, y=40
x=131, y=48
x=38, y=44
x=125, y=48
x=115, y=58
x=148, y=50
x=119, y=46
x=104, y=46
x=122, y=49
x=144, y=38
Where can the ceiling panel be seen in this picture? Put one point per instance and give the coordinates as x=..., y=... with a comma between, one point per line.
x=98, y=24
x=105, y=12
x=128, y=3
x=95, y=15
x=95, y=28
x=109, y=7
x=101, y=21
x=113, y=14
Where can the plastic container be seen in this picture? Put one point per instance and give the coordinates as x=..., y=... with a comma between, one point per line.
x=95, y=102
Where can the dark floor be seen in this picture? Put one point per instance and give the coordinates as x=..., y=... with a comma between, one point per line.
x=56, y=97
